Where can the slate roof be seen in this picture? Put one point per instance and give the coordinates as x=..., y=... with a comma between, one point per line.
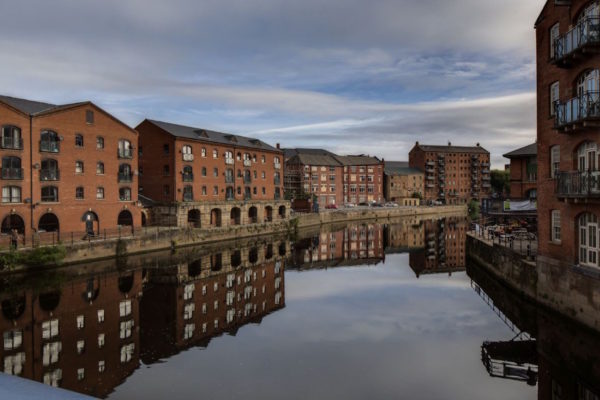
x=452, y=149
x=327, y=158
x=358, y=160
x=400, y=168
x=314, y=159
x=205, y=135
x=529, y=150
x=292, y=152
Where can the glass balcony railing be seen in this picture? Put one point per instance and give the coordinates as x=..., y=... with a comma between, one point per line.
x=579, y=109
x=49, y=146
x=579, y=184
x=583, y=35
x=49, y=175
x=125, y=153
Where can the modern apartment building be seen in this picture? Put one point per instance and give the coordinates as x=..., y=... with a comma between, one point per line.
x=201, y=178
x=568, y=133
x=523, y=172
x=333, y=179
x=403, y=184
x=453, y=174
x=66, y=168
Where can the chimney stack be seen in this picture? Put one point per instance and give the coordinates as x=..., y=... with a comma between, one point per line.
x=449, y=143
x=278, y=146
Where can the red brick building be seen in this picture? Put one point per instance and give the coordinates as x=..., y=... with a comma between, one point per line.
x=568, y=111
x=523, y=172
x=333, y=179
x=453, y=174
x=214, y=179
x=65, y=168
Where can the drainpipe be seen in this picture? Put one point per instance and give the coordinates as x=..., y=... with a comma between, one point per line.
x=31, y=170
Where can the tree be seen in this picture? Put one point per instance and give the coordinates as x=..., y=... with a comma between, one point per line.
x=500, y=181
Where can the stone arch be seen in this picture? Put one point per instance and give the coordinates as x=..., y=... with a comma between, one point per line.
x=268, y=214
x=215, y=217
x=91, y=222
x=125, y=218
x=49, y=300
x=235, y=216
x=14, y=307
x=253, y=215
x=281, y=212
x=269, y=251
x=253, y=255
x=144, y=219
x=194, y=218
x=13, y=221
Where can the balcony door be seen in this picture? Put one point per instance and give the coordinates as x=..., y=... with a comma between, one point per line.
x=588, y=166
x=588, y=240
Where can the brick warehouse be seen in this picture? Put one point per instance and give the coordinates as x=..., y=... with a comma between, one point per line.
x=523, y=172
x=568, y=111
x=66, y=168
x=201, y=178
x=453, y=174
x=333, y=179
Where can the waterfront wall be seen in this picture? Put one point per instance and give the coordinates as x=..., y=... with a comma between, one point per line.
x=570, y=290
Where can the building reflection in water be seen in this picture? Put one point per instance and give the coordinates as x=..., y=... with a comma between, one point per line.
x=560, y=355
x=355, y=244
x=443, y=249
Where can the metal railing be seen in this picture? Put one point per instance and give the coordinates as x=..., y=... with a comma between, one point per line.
x=12, y=143
x=578, y=109
x=125, y=177
x=578, y=184
x=585, y=33
x=50, y=146
x=125, y=153
x=188, y=177
x=12, y=173
x=49, y=175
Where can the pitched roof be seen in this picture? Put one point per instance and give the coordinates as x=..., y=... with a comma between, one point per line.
x=451, y=149
x=529, y=150
x=189, y=132
x=400, y=168
x=358, y=160
x=314, y=159
x=27, y=106
x=292, y=152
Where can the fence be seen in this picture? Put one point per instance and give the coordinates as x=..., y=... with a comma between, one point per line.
x=521, y=242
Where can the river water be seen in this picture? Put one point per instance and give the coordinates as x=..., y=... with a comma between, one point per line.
x=347, y=312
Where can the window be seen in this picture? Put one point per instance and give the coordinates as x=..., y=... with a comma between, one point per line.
x=13, y=339
x=99, y=142
x=99, y=193
x=263, y=175
x=100, y=316
x=100, y=168
x=188, y=331
x=215, y=153
x=166, y=170
x=53, y=378
x=50, y=353
x=124, y=308
x=554, y=34
x=203, y=152
x=80, y=321
x=166, y=190
x=125, y=149
x=11, y=194
x=188, y=291
x=125, y=328
x=203, y=171
x=215, y=191
x=188, y=193
x=216, y=172
x=101, y=340
x=263, y=159
x=101, y=366
x=188, y=311
x=166, y=149
x=78, y=140
x=125, y=194
x=11, y=137
x=50, y=329
x=79, y=167
x=80, y=346
x=186, y=150
x=588, y=239
x=79, y=193
x=127, y=352
x=554, y=96
x=555, y=223
x=204, y=191
x=13, y=364
x=49, y=141
x=554, y=161
x=49, y=194
x=89, y=117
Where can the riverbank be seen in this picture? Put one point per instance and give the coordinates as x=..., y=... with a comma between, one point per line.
x=153, y=239
x=572, y=292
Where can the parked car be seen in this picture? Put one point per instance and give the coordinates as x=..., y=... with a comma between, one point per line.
x=391, y=204
x=331, y=207
x=376, y=205
x=363, y=204
x=349, y=205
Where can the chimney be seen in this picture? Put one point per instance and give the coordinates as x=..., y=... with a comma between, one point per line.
x=449, y=143
x=477, y=144
x=417, y=143
x=278, y=146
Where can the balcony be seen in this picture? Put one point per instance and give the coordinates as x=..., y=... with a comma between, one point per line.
x=188, y=177
x=188, y=157
x=12, y=173
x=582, y=40
x=442, y=184
x=485, y=164
x=247, y=163
x=442, y=178
x=229, y=161
x=430, y=178
x=442, y=194
x=49, y=146
x=485, y=171
x=486, y=185
x=125, y=153
x=277, y=165
x=430, y=170
x=12, y=143
x=576, y=184
x=430, y=164
x=579, y=112
x=488, y=178
x=125, y=177
x=49, y=175
x=430, y=186
x=474, y=177
x=475, y=164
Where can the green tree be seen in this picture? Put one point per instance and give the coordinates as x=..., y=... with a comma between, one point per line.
x=500, y=181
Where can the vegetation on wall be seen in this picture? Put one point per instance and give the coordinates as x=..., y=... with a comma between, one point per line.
x=500, y=181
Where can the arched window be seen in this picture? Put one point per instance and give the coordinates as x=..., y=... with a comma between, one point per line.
x=49, y=141
x=187, y=153
x=99, y=142
x=11, y=168
x=11, y=194
x=587, y=157
x=203, y=152
x=100, y=168
x=203, y=171
x=228, y=157
x=78, y=140
x=125, y=194
x=49, y=170
x=188, y=193
x=215, y=153
x=554, y=161
x=277, y=180
x=125, y=173
x=125, y=149
x=50, y=194
x=229, y=175
x=588, y=239
x=187, y=174
x=11, y=137
x=247, y=176
x=588, y=82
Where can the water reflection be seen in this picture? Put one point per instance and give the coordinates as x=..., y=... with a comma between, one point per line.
x=89, y=330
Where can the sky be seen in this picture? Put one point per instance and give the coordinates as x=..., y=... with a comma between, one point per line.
x=352, y=76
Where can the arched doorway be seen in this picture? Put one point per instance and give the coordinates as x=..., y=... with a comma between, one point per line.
x=269, y=251
x=236, y=258
x=13, y=221
x=14, y=307
x=125, y=283
x=253, y=255
x=49, y=300
x=92, y=224
x=144, y=221
x=282, y=212
x=125, y=218
x=268, y=214
x=282, y=249
x=194, y=268
x=253, y=215
x=48, y=223
x=216, y=262
x=236, y=216
x=193, y=218
x=215, y=217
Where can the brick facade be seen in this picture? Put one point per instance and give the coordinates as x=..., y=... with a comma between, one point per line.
x=402, y=184
x=523, y=172
x=453, y=174
x=50, y=174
